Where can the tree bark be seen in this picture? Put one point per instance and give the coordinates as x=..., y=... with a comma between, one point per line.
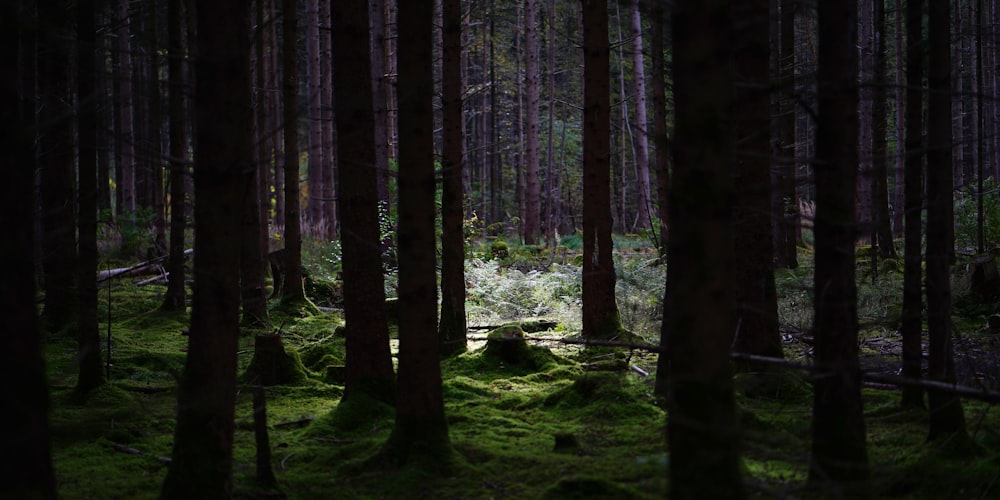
x=314, y=76
x=175, y=297
x=28, y=472
x=641, y=137
x=946, y=416
x=292, y=291
x=911, y=327
x=702, y=431
x=839, y=459
x=882, y=229
x=126, y=136
x=420, y=434
x=452, y=327
x=531, y=193
x=369, y=362
x=661, y=139
x=785, y=197
x=899, y=188
x=203, y=437
x=331, y=221
x=91, y=371
x=600, y=311
x=753, y=272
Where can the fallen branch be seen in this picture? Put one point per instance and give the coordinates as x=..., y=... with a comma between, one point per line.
x=297, y=423
x=132, y=451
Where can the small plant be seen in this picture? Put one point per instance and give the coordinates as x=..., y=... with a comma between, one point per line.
x=499, y=250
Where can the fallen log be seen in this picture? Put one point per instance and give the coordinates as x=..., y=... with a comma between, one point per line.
x=132, y=451
x=142, y=268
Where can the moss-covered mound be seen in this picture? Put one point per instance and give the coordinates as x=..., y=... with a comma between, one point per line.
x=272, y=364
x=507, y=345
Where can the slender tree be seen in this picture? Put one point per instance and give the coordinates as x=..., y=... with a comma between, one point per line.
x=203, y=437
x=785, y=198
x=369, y=362
x=753, y=272
x=899, y=195
x=175, y=296
x=911, y=327
x=866, y=93
x=91, y=371
x=600, y=312
x=702, y=430
x=839, y=457
x=946, y=416
x=314, y=76
x=661, y=141
x=292, y=291
x=881, y=221
x=329, y=167
x=531, y=84
x=452, y=325
x=28, y=472
x=126, y=135
x=420, y=433
x=645, y=204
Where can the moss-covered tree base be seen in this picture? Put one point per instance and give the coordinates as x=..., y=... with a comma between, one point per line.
x=507, y=345
x=272, y=364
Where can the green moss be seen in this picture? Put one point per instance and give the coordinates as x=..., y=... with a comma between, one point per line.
x=586, y=487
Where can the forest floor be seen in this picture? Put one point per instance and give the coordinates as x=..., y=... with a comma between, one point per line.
x=559, y=430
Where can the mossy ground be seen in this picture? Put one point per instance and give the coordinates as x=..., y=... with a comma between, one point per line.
x=504, y=422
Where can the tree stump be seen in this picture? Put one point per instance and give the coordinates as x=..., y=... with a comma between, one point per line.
x=984, y=278
x=272, y=365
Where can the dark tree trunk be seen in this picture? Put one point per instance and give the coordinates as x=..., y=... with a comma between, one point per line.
x=369, y=362
x=753, y=272
x=329, y=168
x=911, y=327
x=203, y=438
x=946, y=415
x=175, y=297
x=866, y=93
x=91, y=372
x=380, y=89
x=661, y=141
x=452, y=326
x=645, y=205
x=29, y=473
x=531, y=193
x=420, y=434
x=56, y=161
x=882, y=230
x=315, y=119
x=600, y=311
x=253, y=256
x=899, y=191
x=839, y=458
x=292, y=291
x=702, y=431
x=784, y=204
x=126, y=135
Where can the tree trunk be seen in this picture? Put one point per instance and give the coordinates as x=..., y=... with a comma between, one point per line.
x=785, y=202
x=702, y=432
x=839, y=460
x=661, y=141
x=420, y=434
x=452, y=326
x=56, y=161
x=946, y=416
x=882, y=229
x=126, y=137
x=642, y=142
x=753, y=273
x=911, y=327
x=175, y=296
x=314, y=76
x=866, y=94
x=899, y=190
x=28, y=472
x=203, y=437
x=91, y=371
x=329, y=205
x=531, y=193
x=369, y=362
x=550, y=197
x=292, y=291
x=380, y=89
x=600, y=311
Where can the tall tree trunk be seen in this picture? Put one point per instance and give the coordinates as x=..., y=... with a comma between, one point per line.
x=882, y=229
x=29, y=473
x=154, y=157
x=642, y=143
x=253, y=255
x=292, y=291
x=785, y=198
x=203, y=437
x=126, y=100
x=380, y=89
x=175, y=296
x=946, y=416
x=957, y=52
x=314, y=76
x=550, y=197
x=911, y=327
x=420, y=434
x=899, y=191
x=329, y=168
x=661, y=141
x=839, y=458
x=369, y=362
x=600, y=311
x=91, y=372
x=452, y=328
x=866, y=94
x=55, y=156
x=702, y=430
x=753, y=273
x=531, y=193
